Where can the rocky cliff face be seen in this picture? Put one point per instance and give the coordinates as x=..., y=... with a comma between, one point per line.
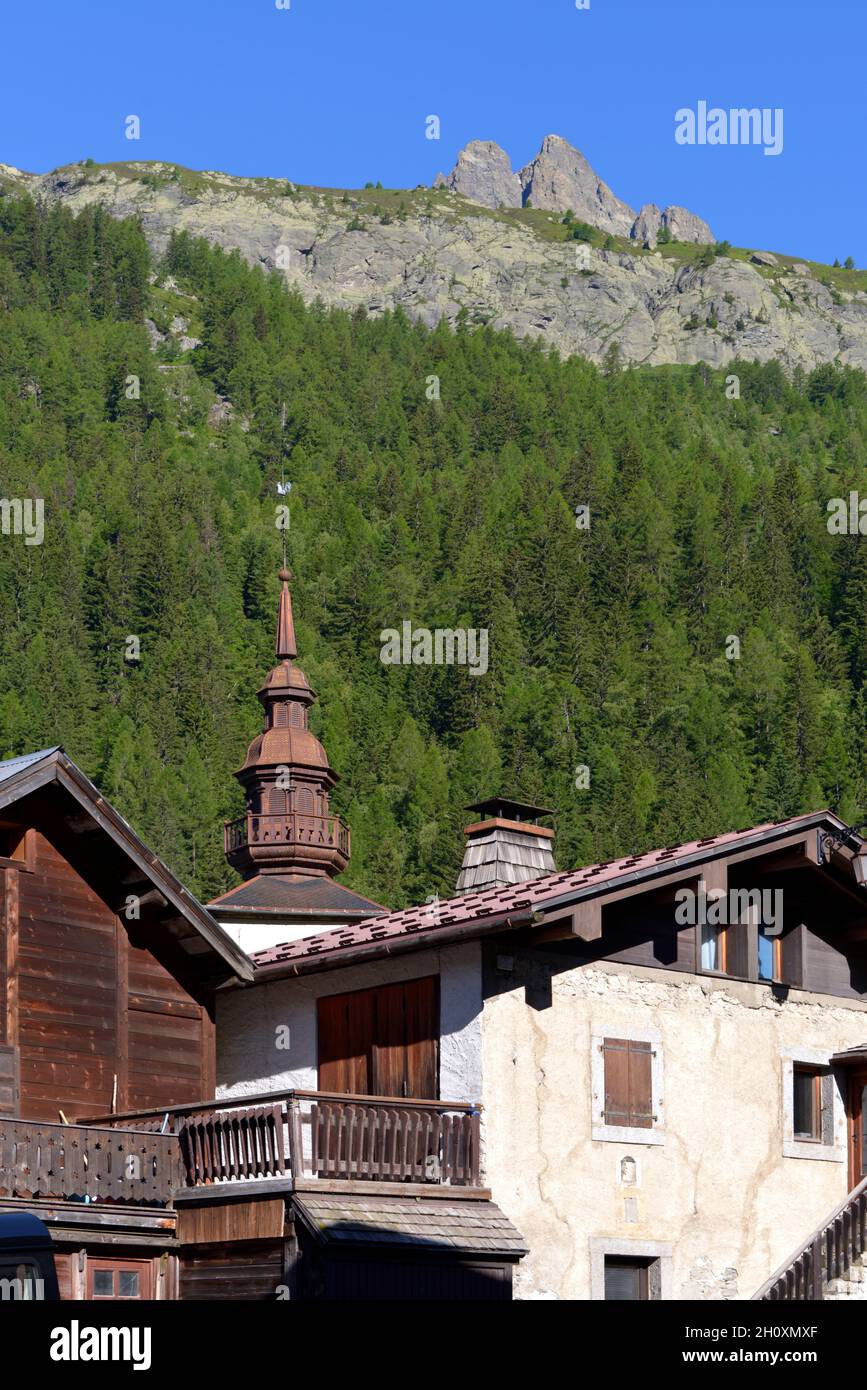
x=560, y=178
x=483, y=174
x=439, y=254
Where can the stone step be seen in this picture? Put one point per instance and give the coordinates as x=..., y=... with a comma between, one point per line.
x=846, y=1288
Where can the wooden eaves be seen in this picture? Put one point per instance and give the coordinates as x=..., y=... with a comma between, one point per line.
x=190, y=918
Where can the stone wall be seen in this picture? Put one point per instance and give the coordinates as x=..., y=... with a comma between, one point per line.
x=716, y=1199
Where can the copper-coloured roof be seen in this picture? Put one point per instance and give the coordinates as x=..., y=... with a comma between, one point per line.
x=285, y=625
x=287, y=747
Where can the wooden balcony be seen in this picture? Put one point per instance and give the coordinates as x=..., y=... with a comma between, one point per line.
x=83, y=1163
x=286, y=829
x=286, y=1138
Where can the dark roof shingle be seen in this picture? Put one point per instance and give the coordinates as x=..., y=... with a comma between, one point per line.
x=272, y=893
x=434, y=1223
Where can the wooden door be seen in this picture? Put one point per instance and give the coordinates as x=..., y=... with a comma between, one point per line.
x=857, y=1128
x=381, y=1042
x=346, y=1030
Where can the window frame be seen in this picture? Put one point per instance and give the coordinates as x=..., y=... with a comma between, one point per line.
x=815, y=1074
x=830, y=1146
x=776, y=956
x=630, y=1135
x=99, y=1264
x=655, y=1253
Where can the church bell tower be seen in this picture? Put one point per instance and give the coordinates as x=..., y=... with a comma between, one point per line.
x=288, y=828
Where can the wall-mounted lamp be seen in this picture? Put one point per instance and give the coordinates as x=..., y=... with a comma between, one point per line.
x=849, y=838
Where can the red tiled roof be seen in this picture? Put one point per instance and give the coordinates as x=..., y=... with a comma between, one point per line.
x=429, y=919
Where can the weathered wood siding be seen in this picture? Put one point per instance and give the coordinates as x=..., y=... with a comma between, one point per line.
x=67, y=1031
x=238, y=1272
x=165, y=1032
x=64, y=1264
x=93, y=1002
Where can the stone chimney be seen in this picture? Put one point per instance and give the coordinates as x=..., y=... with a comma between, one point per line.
x=506, y=845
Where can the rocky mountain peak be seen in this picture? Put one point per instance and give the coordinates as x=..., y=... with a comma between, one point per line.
x=483, y=173
x=562, y=180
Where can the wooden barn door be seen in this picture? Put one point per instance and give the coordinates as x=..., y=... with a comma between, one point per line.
x=381, y=1042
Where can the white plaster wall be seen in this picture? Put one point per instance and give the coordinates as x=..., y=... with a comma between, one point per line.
x=718, y=1191
x=249, y=1020
x=258, y=936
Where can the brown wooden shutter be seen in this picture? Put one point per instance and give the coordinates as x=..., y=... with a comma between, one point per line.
x=388, y=1072
x=792, y=948
x=738, y=951
x=405, y=1041
x=628, y=1083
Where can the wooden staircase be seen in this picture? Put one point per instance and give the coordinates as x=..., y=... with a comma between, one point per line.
x=832, y=1262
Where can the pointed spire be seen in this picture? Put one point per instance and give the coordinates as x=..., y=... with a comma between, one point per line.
x=287, y=828
x=285, y=624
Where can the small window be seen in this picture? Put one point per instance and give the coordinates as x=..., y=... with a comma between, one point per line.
x=117, y=1279
x=713, y=948
x=807, y=1104
x=103, y=1283
x=629, y=1280
x=769, y=956
x=725, y=951
x=628, y=1083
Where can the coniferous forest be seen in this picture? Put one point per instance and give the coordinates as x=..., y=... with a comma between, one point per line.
x=610, y=647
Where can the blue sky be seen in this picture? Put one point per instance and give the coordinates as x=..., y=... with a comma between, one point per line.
x=336, y=92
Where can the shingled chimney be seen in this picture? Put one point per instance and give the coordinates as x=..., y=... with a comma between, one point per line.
x=505, y=845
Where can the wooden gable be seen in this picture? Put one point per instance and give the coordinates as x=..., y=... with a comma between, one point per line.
x=101, y=1007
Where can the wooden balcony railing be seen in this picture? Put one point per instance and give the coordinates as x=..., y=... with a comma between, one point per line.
x=286, y=829
x=826, y=1255
x=319, y=1135
x=88, y=1164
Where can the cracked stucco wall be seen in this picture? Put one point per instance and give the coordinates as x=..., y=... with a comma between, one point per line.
x=249, y=1023
x=718, y=1190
